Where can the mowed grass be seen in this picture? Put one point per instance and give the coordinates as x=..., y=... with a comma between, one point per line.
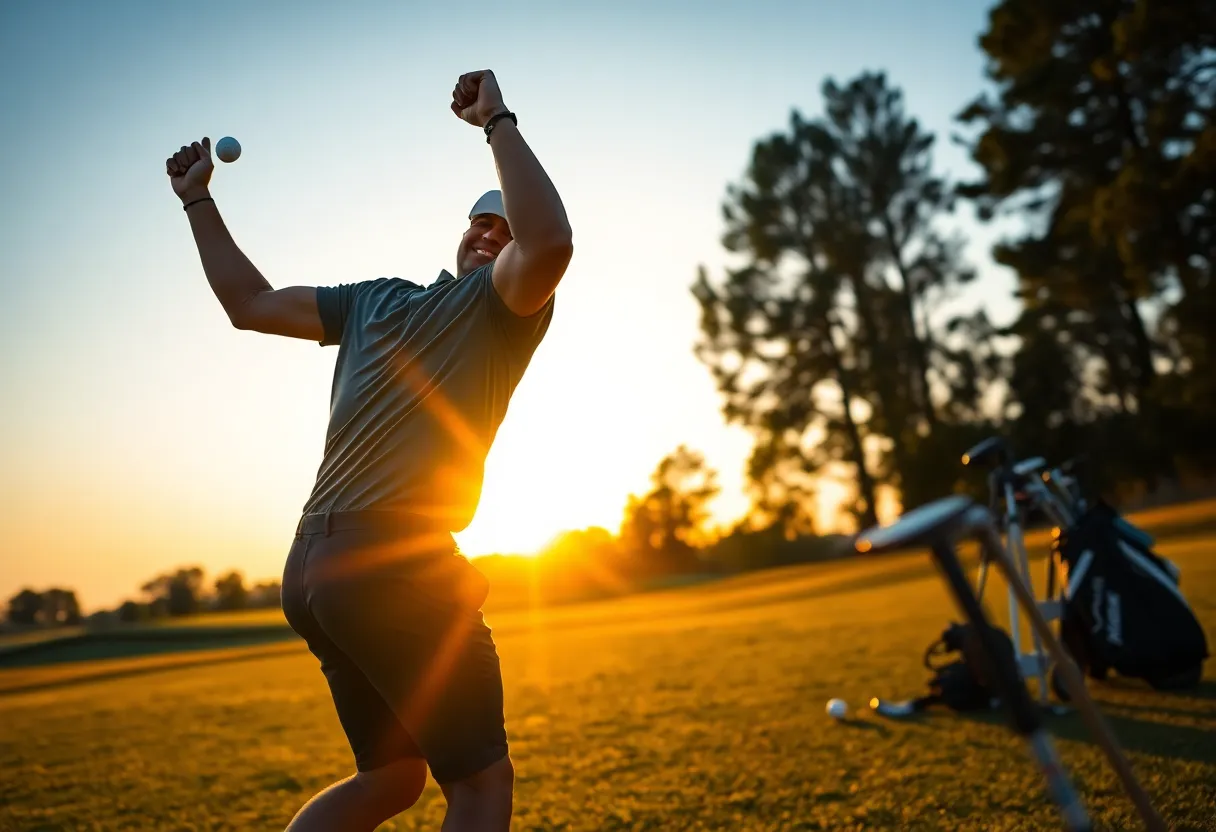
x=700, y=708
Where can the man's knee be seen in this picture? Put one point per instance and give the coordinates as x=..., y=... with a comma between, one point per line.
x=396, y=786
x=495, y=780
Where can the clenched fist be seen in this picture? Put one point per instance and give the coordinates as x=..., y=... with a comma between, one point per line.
x=190, y=169
x=477, y=98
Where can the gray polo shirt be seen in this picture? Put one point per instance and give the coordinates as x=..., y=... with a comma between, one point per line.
x=421, y=384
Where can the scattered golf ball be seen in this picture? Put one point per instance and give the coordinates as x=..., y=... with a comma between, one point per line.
x=837, y=709
x=228, y=149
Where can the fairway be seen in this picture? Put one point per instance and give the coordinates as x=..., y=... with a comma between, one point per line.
x=700, y=708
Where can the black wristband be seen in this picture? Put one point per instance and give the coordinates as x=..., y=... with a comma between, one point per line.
x=197, y=201
x=489, y=128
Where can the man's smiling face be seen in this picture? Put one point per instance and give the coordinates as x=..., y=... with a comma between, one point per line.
x=481, y=243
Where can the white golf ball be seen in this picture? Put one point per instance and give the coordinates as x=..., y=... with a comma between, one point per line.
x=228, y=149
x=837, y=709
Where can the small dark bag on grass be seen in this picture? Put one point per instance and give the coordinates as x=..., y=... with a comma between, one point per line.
x=963, y=684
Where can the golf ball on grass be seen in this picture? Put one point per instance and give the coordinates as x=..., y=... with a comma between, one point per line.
x=228, y=149
x=837, y=709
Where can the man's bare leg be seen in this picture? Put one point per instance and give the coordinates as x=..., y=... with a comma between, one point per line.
x=363, y=801
x=481, y=803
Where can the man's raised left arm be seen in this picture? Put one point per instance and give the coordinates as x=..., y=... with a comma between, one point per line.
x=528, y=269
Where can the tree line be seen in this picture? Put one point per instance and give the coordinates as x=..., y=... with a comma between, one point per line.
x=664, y=536
x=182, y=591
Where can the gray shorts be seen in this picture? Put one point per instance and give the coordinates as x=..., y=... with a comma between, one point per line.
x=393, y=613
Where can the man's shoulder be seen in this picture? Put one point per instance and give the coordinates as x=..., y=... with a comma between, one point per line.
x=391, y=285
x=378, y=291
x=449, y=291
x=444, y=283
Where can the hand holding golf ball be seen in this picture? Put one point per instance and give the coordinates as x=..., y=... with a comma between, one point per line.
x=190, y=168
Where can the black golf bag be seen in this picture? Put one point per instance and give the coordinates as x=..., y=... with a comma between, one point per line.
x=963, y=684
x=1123, y=609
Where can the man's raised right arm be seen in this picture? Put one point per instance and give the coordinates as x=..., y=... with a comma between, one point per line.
x=247, y=297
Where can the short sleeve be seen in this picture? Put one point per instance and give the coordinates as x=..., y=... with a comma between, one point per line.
x=520, y=332
x=334, y=304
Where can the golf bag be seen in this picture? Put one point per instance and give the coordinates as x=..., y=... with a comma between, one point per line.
x=963, y=684
x=1122, y=606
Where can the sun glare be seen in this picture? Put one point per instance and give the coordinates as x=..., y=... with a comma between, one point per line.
x=525, y=502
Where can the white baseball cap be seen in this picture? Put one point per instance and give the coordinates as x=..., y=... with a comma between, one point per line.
x=489, y=203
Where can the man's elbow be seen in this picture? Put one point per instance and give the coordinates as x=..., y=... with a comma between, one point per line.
x=243, y=314
x=558, y=247
x=241, y=317
x=563, y=251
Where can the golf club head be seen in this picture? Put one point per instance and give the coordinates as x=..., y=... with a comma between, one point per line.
x=990, y=453
x=916, y=527
x=884, y=707
x=1061, y=492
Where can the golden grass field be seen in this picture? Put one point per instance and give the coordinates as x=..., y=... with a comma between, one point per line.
x=699, y=708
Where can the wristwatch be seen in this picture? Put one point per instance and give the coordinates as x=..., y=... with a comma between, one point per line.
x=493, y=120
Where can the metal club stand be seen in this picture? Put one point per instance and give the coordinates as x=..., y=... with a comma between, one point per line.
x=1005, y=480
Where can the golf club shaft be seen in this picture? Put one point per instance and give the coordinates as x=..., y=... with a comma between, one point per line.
x=1074, y=684
x=1023, y=714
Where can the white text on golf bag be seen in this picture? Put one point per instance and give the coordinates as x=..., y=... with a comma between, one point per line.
x=1114, y=621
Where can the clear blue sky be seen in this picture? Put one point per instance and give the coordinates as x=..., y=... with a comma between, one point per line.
x=141, y=432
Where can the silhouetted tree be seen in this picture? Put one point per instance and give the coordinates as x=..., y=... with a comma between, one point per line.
x=1100, y=135
x=582, y=562
x=180, y=592
x=60, y=607
x=595, y=544
x=884, y=158
x=230, y=591
x=782, y=495
x=265, y=594
x=25, y=607
x=773, y=334
x=130, y=611
x=663, y=528
x=824, y=342
x=53, y=607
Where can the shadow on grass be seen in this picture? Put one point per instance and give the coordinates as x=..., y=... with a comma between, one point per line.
x=1201, y=698
x=98, y=656
x=1141, y=736
x=1204, y=690
x=140, y=641
x=866, y=725
x=106, y=674
x=1179, y=742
